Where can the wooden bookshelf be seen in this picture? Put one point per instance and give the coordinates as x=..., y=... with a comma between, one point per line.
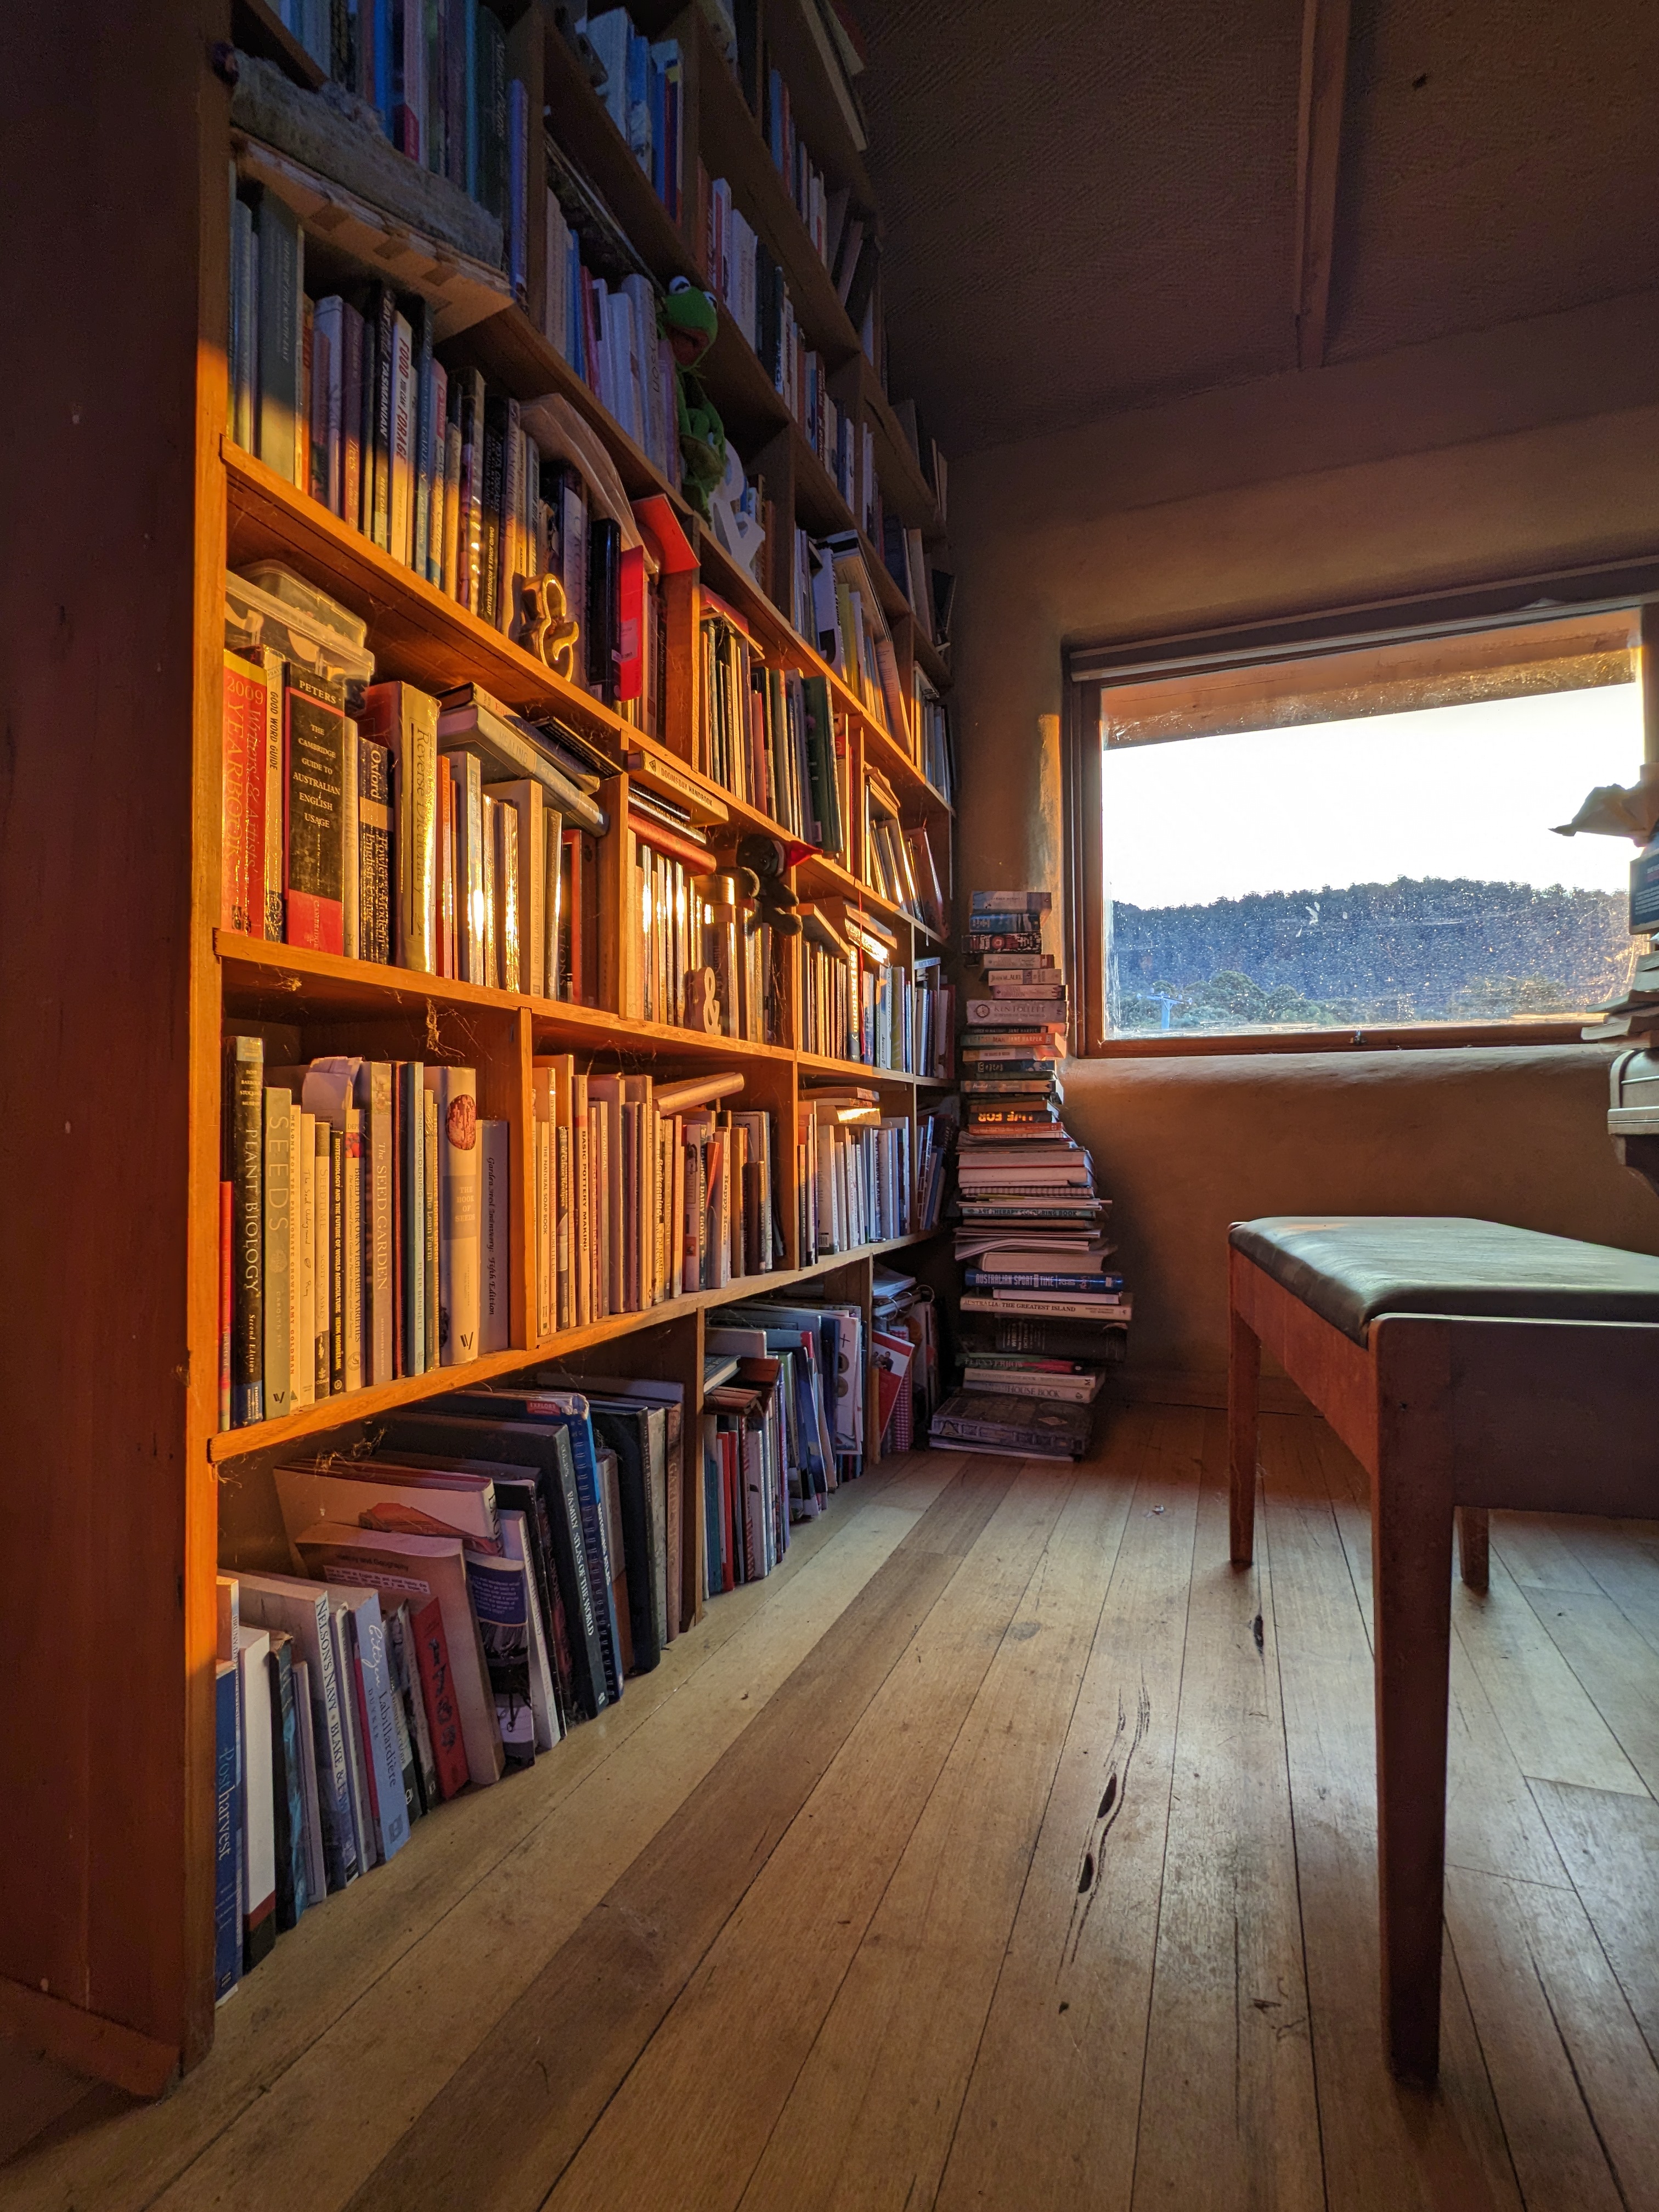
x=106, y=1921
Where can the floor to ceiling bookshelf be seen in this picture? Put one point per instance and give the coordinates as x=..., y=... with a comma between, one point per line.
x=124, y=984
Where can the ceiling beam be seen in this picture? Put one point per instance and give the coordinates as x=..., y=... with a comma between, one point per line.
x=1318, y=155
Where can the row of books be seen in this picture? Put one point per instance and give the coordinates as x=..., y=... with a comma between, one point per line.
x=898, y=862
x=479, y=495
x=463, y=1592
x=434, y=75
x=783, y=1426
x=751, y=285
x=929, y=590
x=364, y=1228
x=645, y=1192
x=854, y=1173
x=644, y=94
x=904, y=1350
x=708, y=959
x=930, y=723
x=768, y=735
x=859, y=1003
x=382, y=822
x=342, y=396
x=611, y=336
x=1032, y=1229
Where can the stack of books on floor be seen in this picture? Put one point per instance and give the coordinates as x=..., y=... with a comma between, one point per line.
x=444, y=1607
x=1044, y=1312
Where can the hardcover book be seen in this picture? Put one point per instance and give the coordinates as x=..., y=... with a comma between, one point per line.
x=313, y=792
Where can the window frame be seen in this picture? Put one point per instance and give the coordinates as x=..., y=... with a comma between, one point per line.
x=1090, y=666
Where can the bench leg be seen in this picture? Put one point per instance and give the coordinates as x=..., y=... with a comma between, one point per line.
x=1411, y=1571
x=1471, y=1551
x=1243, y=1376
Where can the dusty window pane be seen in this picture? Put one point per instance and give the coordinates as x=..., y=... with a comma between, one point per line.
x=1395, y=868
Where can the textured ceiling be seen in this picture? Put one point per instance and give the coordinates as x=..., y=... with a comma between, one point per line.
x=1089, y=207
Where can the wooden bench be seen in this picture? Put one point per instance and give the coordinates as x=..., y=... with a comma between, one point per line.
x=1465, y=1366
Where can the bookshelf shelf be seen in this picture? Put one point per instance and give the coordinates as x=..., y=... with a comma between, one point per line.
x=859, y=1070
x=419, y=633
x=288, y=983
x=345, y=1408
x=731, y=146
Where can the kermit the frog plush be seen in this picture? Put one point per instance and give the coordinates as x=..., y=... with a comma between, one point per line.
x=690, y=321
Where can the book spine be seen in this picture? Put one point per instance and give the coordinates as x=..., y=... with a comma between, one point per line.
x=375, y=858
x=443, y=1714
x=459, y=1296
x=400, y=523
x=495, y=1272
x=337, y=1370
x=350, y=846
x=277, y=324
x=432, y=1342
x=313, y=713
x=323, y=1247
x=287, y=1791
x=226, y=1832
x=412, y=1225
x=245, y=1114
x=381, y=1218
x=980, y=1278
x=352, y=1242
x=278, y=1397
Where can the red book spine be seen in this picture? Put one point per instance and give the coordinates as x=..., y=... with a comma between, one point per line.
x=443, y=1717
x=224, y=1304
x=243, y=759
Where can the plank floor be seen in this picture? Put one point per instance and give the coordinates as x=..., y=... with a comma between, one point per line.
x=1004, y=1849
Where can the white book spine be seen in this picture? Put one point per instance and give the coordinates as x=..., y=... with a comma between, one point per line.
x=322, y=1260
x=456, y=1092
x=301, y=1198
x=495, y=1240
x=351, y=1234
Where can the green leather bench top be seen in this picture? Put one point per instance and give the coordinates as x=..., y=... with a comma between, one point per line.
x=1350, y=1268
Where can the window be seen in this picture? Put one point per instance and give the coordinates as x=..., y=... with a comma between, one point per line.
x=1360, y=837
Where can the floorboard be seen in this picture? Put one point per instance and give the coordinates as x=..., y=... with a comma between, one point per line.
x=1003, y=1849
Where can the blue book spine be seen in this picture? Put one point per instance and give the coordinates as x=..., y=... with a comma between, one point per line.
x=227, y=1833
x=581, y=1430
x=382, y=1744
x=980, y=1280
x=383, y=62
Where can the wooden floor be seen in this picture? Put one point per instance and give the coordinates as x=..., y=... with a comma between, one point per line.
x=1005, y=1849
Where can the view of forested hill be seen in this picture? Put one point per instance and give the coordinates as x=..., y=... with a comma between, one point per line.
x=1436, y=950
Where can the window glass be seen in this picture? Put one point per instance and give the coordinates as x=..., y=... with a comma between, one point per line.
x=1383, y=868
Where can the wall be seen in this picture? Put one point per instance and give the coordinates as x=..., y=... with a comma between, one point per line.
x=1188, y=1146
x=1500, y=454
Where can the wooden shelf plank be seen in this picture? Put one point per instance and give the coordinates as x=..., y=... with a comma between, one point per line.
x=418, y=633
x=288, y=983
x=345, y=1408
x=857, y=1070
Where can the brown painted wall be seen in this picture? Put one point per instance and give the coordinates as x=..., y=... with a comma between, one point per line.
x=1498, y=454
x=1187, y=1145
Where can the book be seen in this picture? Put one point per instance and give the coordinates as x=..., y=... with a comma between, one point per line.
x=455, y=1091
x=417, y=1568
x=227, y=1831
x=299, y=1609
x=1027, y=1425
x=259, y=1840
x=314, y=756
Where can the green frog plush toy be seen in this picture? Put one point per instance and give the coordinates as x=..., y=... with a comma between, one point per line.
x=690, y=322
